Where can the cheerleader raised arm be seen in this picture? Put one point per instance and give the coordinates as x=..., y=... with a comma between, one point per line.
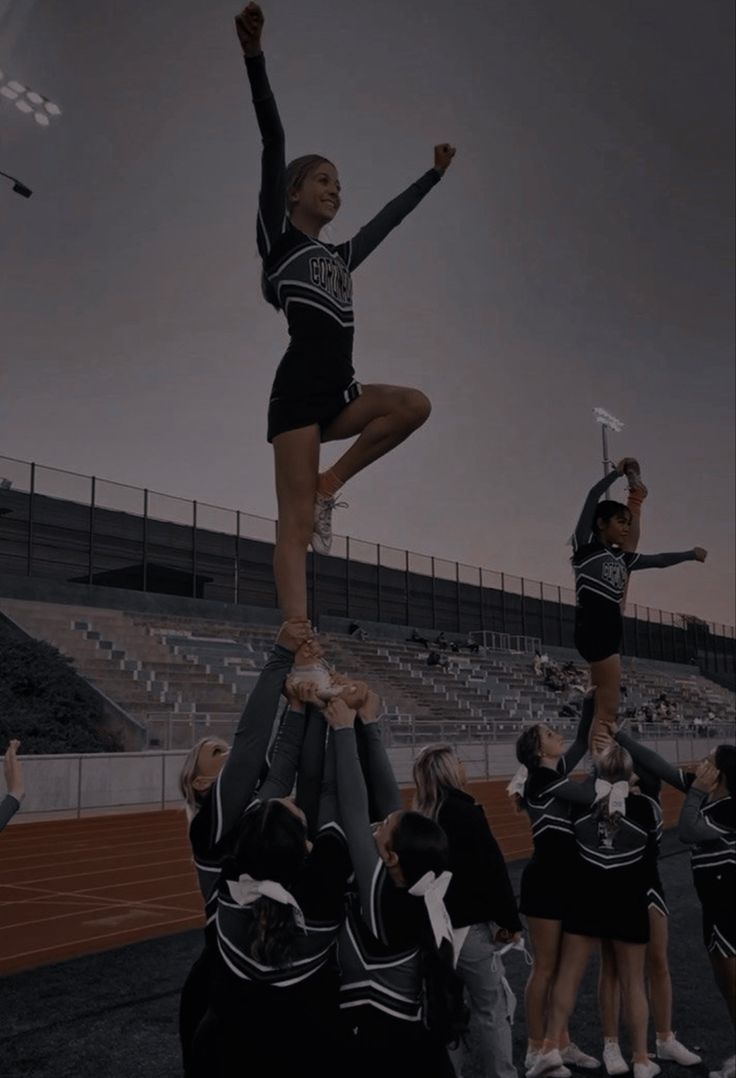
x=315, y=396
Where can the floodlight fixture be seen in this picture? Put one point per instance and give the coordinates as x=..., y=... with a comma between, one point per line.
x=608, y=420
x=29, y=101
x=18, y=186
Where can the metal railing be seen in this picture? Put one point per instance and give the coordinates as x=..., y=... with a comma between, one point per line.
x=65, y=527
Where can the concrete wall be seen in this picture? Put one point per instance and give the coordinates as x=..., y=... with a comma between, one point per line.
x=73, y=783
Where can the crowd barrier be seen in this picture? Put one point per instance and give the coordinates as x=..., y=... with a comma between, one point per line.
x=79, y=785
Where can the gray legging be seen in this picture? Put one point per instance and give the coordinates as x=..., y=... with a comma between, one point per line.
x=486, y=1051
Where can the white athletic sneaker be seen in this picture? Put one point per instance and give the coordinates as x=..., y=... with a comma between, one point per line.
x=678, y=1053
x=613, y=1060
x=646, y=1070
x=728, y=1069
x=544, y=1063
x=571, y=1054
x=322, y=535
x=556, y=1072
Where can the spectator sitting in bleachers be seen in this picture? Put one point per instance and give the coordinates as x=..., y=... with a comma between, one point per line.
x=435, y=659
x=356, y=630
x=471, y=644
x=415, y=638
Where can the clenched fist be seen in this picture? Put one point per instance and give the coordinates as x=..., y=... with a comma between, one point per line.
x=249, y=26
x=443, y=155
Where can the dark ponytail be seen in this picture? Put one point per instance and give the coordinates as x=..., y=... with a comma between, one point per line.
x=269, y=844
x=421, y=846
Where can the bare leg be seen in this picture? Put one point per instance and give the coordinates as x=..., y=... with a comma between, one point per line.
x=609, y=992
x=605, y=676
x=658, y=972
x=545, y=937
x=630, y=959
x=574, y=955
x=296, y=458
x=382, y=417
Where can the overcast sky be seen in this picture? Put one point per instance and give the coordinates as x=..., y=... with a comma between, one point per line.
x=579, y=252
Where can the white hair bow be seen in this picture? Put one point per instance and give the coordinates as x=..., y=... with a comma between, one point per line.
x=616, y=793
x=432, y=889
x=518, y=782
x=245, y=890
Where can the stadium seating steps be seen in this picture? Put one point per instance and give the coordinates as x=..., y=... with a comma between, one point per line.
x=181, y=677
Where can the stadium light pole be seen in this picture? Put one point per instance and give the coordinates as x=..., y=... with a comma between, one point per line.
x=607, y=422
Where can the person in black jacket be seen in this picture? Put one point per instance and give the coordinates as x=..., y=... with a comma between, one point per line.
x=481, y=905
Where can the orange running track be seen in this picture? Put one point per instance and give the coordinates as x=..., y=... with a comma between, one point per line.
x=75, y=887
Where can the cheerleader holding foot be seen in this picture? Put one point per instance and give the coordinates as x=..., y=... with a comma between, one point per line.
x=315, y=397
x=657, y=965
x=708, y=820
x=542, y=788
x=397, y=946
x=602, y=564
x=616, y=841
x=217, y=782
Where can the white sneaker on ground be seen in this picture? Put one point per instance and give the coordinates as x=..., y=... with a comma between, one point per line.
x=322, y=534
x=544, y=1063
x=646, y=1070
x=613, y=1060
x=728, y=1069
x=556, y=1072
x=572, y=1054
x=678, y=1053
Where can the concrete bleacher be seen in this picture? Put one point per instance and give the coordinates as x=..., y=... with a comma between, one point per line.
x=183, y=677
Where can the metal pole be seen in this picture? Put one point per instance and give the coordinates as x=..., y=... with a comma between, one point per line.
x=604, y=433
x=145, y=539
x=457, y=595
x=482, y=607
x=91, y=565
x=503, y=602
x=434, y=597
x=194, y=550
x=237, y=556
x=407, y=585
x=378, y=581
x=31, y=498
x=347, y=576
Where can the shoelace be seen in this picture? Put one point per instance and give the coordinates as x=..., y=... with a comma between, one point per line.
x=330, y=503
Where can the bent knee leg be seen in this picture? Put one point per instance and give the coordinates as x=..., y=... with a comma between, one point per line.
x=415, y=408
